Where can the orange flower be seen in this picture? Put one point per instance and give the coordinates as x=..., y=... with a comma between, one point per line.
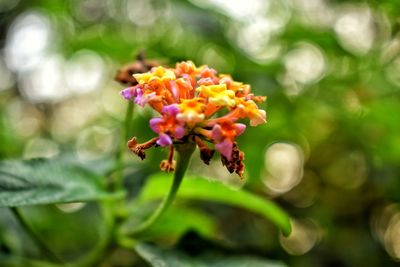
x=188, y=97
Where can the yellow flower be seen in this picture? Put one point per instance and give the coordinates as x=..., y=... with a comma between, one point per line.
x=188, y=99
x=192, y=110
x=218, y=95
x=249, y=109
x=159, y=74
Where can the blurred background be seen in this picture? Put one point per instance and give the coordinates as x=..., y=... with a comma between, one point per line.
x=329, y=154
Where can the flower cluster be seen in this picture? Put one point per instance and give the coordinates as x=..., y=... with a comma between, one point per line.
x=190, y=101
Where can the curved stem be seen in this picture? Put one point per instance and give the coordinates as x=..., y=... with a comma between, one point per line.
x=107, y=208
x=184, y=152
x=128, y=121
x=106, y=236
x=118, y=183
x=42, y=246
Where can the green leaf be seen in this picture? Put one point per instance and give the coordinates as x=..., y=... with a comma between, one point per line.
x=156, y=257
x=17, y=261
x=202, y=189
x=168, y=226
x=48, y=181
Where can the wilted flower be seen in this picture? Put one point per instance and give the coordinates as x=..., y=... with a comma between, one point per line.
x=190, y=100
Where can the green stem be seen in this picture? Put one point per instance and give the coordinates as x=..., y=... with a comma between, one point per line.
x=38, y=241
x=107, y=208
x=128, y=120
x=106, y=236
x=184, y=152
x=118, y=184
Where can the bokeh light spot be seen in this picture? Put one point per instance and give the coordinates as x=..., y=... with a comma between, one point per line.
x=40, y=148
x=305, y=64
x=45, y=83
x=27, y=41
x=71, y=207
x=355, y=30
x=84, y=71
x=305, y=234
x=6, y=77
x=95, y=142
x=352, y=168
x=284, y=167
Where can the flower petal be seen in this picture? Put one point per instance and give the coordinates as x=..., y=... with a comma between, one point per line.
x=216, y=133
x=225, y=148
x=128, y=93
x=240, y=127
x=171, y=110
x=164, y=140
x=154, y=122
x=179, y=132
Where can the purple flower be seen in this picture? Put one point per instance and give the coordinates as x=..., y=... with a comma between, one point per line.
x=174, y=89
x=240, y=127
x=154, y=122
x=225, y=148
x=179, y=132
x=195, y=105
x=205, y=81
x=128, y=93
x=216, y=133
x=171, y=110
x=164, y=140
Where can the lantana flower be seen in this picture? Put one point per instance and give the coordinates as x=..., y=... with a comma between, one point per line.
x=196, y=105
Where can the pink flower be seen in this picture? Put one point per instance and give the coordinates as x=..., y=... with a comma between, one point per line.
x=187, y=98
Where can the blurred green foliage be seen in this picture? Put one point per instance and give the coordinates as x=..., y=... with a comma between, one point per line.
x=329, y=154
